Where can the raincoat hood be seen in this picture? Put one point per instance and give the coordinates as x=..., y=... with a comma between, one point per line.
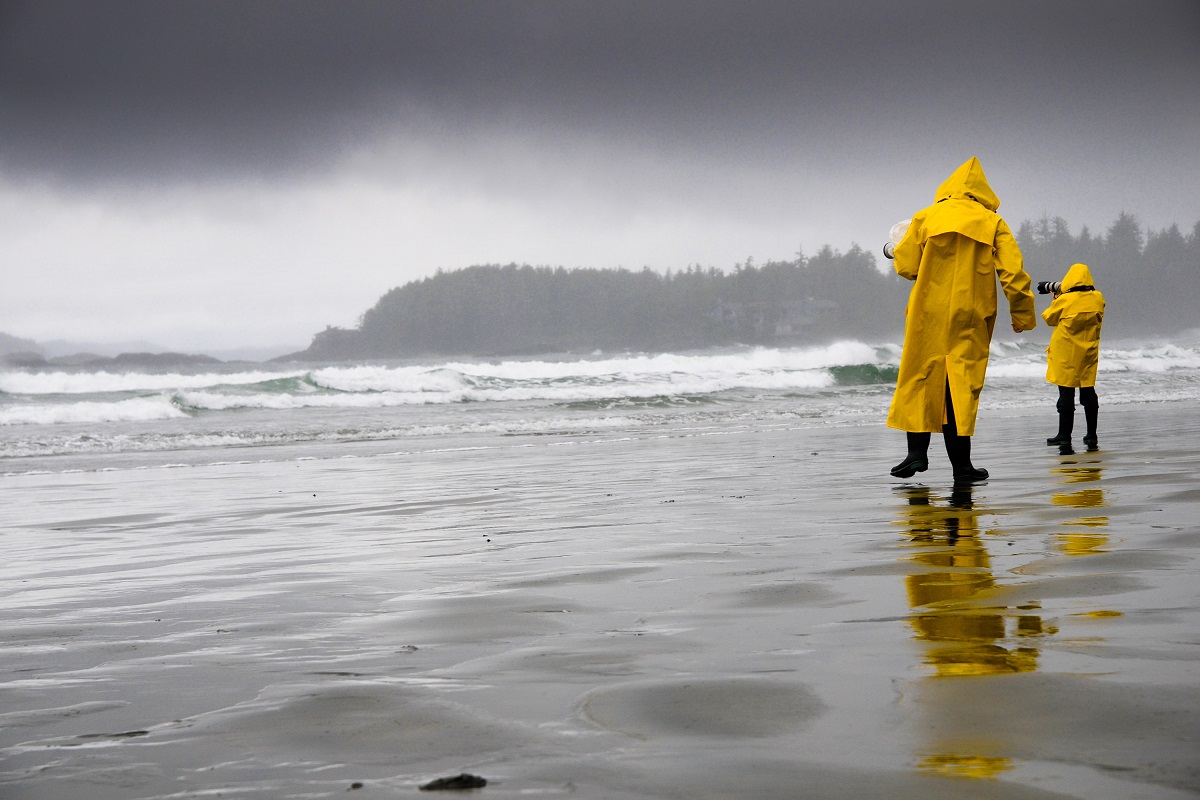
x=1077, y=275
x=968, y=181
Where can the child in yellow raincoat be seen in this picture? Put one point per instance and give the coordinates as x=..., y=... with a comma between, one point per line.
x=953, y=251
x=1074, y=352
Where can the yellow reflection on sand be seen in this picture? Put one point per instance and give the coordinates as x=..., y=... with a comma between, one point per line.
x=1080, y=469
x=1081, y=543
x=962, y=634
x=964, y=766
x=1084, y=498
x=956, y=615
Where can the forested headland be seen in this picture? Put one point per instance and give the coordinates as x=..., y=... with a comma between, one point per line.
x=1151, y=280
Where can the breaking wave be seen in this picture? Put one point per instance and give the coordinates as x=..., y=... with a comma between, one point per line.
x=106, y=416
x=54, y=397
x=58, y=396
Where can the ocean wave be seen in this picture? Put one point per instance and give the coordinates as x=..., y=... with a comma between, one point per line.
x=864, y=374
x=1157, y=359
x=136, y=409
x=588, y=380
x=596, y=382
x=565, y=391
x=721, y=368
x=68, y=383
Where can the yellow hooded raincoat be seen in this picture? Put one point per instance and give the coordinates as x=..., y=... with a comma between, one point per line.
x=953, y=250
x=1076, y=317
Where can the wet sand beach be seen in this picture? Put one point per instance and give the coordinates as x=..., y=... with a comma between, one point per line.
x=723, y=614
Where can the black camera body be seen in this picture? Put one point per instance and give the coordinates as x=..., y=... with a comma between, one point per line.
x=1050, y=287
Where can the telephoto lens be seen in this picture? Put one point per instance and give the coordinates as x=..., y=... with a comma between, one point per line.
x=1049, y=287
x=889, y=251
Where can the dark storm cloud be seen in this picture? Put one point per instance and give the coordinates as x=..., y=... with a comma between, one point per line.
x=169, y=90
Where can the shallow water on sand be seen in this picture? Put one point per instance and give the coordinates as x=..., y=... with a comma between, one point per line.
x=716, y=613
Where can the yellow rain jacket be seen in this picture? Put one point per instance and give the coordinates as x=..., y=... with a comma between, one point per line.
x=953, y=250
x=1076, y=317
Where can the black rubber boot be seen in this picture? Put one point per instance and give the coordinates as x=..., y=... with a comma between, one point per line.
x=958, y=448
x=917, y=459
x=1066, y=423
x=1066, y=417
x=1091, y=410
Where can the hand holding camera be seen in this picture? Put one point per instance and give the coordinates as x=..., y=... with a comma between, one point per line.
x=894, y=237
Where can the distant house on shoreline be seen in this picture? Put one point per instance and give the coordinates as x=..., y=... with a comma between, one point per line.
x=765, y=320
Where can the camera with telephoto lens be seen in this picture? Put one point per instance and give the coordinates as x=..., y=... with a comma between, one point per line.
x=1049, y=287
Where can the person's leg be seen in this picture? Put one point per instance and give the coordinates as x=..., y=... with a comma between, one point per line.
x=958, y=448
x=1066, y=416
x=917, y=459
x=1091, y=409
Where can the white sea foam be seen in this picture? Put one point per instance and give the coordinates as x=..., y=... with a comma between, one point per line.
x=569, y=390
x=137, y=409
x=1158, y=359
x=667, y=375
x=652, y=375
x=39, y=383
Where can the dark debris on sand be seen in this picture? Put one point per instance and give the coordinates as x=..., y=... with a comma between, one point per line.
x=455, y=782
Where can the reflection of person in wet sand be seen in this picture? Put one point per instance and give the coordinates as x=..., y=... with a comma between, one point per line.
x=999, y=693
x=962, y=633
x=1084, y=534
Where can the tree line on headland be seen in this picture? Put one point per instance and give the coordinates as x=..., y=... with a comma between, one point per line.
x=1151, y=280
x=493, y=309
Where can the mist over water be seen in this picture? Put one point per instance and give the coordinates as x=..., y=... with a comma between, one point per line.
x=95, y=420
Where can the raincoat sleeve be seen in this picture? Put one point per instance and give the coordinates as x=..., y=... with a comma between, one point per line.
x=1015, y=280
x=908, y=251
x=1054, y=313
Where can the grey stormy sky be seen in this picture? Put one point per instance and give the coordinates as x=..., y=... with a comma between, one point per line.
x=219, y=173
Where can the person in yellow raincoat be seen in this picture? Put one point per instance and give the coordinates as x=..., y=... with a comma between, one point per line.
x=1074, y=352
x=953, y=250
